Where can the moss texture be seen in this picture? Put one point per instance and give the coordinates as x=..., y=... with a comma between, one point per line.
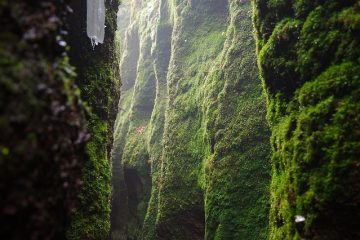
x=43, y=135
x=191, y=86
x=98, y=79
x=309, y=60
x=237, y=171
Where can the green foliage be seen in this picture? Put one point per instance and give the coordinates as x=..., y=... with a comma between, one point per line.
x=309, y=60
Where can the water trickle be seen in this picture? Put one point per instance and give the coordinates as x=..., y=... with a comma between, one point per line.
x=96, y=21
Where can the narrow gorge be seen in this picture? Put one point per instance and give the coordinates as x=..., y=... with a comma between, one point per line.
x=191, y=140
x=180, y=120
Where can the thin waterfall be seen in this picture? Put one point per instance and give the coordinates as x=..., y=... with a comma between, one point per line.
x=96, y=21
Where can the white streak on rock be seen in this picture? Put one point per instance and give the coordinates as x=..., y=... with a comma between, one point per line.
x=96, y=21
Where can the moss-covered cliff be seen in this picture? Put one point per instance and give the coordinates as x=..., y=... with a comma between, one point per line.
x=309, y=60
x=237, y=170
x=192, y=116
x=99, y=81
x=130, y=155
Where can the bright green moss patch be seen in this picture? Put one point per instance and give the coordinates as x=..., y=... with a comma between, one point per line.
x=92, y=219
x=312, y=80
x=237, y=173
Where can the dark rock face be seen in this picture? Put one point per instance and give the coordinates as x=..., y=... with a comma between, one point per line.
x=48, y=165
x=42, y=140
x=191, y=225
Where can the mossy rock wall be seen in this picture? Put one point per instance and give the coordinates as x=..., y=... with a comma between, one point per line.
x=309, y=61
x=130, y=155
x=237, y=171
x=99, y=81
x=192, y=116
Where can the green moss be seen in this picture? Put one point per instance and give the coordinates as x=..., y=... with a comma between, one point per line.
x=180, y=193
x=205, y=138
x=314, y=150
x=98, y=79
x=131, y=152
x=237, y=172
x=92, y=219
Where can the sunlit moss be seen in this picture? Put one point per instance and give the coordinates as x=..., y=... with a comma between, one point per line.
x=309, y=59
x=207, y=115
